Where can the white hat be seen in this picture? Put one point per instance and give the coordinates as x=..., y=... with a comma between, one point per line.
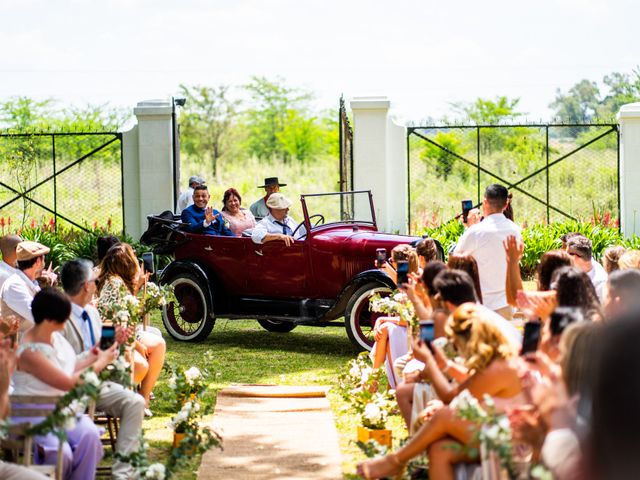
x=278, y=201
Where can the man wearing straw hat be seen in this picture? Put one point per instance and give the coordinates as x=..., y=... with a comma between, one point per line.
x=277, y=225
x=19, y=289
x=271, y=186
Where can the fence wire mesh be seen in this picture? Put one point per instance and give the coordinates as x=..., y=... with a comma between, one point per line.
x=61, y=179
x=555, y=172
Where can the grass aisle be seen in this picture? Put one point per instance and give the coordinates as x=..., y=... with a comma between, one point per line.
x=246, y=353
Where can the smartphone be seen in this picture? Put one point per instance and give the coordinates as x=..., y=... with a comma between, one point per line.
x=381, y=257
x=466, y=206
x=108, y=337
x=531, y=337
x=427, y=332
x=402, y=272
x=148, y=262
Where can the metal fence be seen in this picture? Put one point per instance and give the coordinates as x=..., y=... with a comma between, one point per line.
x=69, y=179
x=554, y=171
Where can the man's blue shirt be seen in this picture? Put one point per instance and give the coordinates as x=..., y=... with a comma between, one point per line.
x=195, y=217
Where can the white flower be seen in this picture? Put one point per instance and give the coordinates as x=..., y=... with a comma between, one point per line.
x=130, y=301
x=366, y=373
x=192, y=374
x=70, y=422
x=172, y=382
x=354, y=371
x=491, y=433
x=196, y=407
x=90, y=378
x=399, y=297
x=465, y=401
x=155, y=471
x=120, y=363
x=504, y=423
x=122, y=316
x=372, y=412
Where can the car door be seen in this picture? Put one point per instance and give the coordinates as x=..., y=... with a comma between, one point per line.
x=275, y=270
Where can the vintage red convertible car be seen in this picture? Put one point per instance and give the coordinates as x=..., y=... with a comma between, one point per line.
x=326, y=275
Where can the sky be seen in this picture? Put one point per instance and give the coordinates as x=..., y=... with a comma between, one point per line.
x=423, y=55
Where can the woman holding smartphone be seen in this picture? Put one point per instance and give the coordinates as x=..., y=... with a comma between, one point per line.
x=493, y=367
x=120, y=275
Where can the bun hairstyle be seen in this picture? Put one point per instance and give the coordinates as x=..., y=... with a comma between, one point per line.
x=483, y=341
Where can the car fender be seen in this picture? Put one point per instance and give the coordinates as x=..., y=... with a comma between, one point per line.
x=180, y=266
x=368, y=276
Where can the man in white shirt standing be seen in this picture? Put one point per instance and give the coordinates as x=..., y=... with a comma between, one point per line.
x=277, y=225
x=19, y=289
x=483, y=241
x=186, y=198
x=580, y=249
x=83, y=331
x=8, y=245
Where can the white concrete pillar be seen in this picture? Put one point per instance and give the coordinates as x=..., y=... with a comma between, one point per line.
x=148, y=165
x=629, y=119
x=380, y=161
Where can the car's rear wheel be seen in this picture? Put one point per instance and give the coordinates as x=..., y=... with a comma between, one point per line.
x=276, y=326
x=191, y=317
x=359, y=320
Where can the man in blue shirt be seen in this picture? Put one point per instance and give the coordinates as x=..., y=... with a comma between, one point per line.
x=203, y=219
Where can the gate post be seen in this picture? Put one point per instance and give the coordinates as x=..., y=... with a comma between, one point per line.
x=629, y=119
x=380, y=161
x=148, y=176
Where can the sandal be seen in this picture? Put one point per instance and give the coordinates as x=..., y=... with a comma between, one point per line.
x=382, y=467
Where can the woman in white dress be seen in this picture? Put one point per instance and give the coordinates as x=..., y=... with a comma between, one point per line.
x=47, y=366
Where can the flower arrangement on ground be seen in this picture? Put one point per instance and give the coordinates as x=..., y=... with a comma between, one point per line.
x=492, y=431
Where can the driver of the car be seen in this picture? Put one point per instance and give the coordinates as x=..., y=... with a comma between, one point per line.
x=277, y=225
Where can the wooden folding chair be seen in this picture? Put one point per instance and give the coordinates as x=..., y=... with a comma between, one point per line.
x=111, y=424
x=19, y=445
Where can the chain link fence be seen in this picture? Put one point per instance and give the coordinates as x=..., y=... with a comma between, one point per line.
x=555, y=172
x=61, y=179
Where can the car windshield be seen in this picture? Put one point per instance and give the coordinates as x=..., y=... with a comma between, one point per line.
x=351, y=207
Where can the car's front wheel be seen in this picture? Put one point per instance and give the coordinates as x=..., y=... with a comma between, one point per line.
x=276, y=326
x=359, y=320
x=190, y=318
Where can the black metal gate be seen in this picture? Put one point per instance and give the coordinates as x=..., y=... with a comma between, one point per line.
x=346, y=159
x=555, y=171
x=70, y=179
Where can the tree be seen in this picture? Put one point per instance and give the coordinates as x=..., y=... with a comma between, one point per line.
x=444, y=160
x=206, y=123
x=272, y=104
x=22, y=113
x=300, y=137
x=623, y=89
x=579, y=105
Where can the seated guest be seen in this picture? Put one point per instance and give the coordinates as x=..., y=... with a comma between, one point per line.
x=629, y=259
x=8, y=245
x=402, y=252
x=203, y=219
x=427, y=251
x=239, y=219
x=278, y=225
x=103, y=244
x=468, y=264
x=120, y=275
x=579, y=248
x=259, y=208
x=83, y=330
x=622, y=292
x=611, y=257
x=48, y=366
x=19, y=289
x=10, y=471
x=493, y=367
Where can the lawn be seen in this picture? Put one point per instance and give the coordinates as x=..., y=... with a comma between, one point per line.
x=246, y=353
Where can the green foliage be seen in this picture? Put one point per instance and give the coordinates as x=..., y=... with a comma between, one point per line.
x=541, y=238
x=24, y=113
x=584, y=101
x=207, y=122
x=300, y=137
x=444, y=161
x=272, y=102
